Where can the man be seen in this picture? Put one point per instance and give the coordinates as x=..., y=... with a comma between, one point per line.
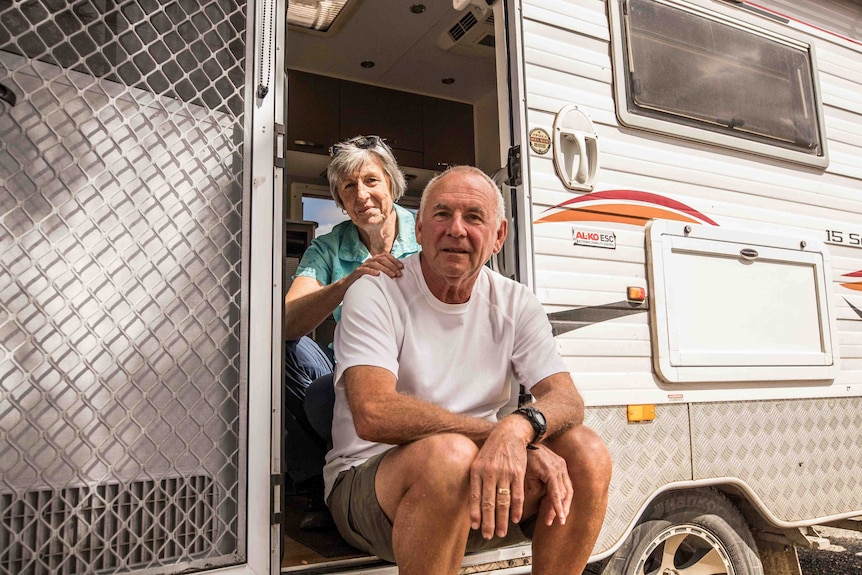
x=421, y=469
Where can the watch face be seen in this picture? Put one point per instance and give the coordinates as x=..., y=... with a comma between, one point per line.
x=536, y=419
x=540, y=417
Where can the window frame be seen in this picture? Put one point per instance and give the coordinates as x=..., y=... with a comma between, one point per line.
x=664, y=122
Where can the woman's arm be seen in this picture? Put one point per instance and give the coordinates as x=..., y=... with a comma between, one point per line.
x=307, y=302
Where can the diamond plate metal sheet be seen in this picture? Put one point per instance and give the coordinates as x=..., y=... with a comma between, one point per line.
x=121, y=241
x=803, y=458
x=646, y=456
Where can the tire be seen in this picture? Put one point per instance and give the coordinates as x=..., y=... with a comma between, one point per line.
x=692, y=532
x=595, y=568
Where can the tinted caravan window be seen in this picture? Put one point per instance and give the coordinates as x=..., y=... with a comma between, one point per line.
x=708, y=77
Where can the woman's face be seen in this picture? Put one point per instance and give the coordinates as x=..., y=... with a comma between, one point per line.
x=366, y=195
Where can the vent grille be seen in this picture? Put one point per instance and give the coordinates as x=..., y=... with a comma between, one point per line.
x=487, y=40
x=463, y=26
x=87, y=529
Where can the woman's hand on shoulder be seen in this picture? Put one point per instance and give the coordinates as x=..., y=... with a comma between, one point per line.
x=375, y=265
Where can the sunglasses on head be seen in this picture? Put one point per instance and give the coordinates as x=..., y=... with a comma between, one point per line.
x=361, y=142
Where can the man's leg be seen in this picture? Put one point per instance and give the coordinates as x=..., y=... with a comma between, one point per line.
x=423, y=488
x=565, y=549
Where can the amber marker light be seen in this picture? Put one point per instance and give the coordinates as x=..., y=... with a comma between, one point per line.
x=636, y=294
x=639, y=413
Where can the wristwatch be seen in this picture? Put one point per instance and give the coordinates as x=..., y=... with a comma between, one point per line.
x=537, y=420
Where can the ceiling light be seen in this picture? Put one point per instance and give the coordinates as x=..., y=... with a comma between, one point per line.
x=314, y=14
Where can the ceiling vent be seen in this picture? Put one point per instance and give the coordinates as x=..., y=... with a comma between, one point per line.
x=472, y=33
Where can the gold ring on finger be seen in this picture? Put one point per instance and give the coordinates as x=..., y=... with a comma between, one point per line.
x=503, y=491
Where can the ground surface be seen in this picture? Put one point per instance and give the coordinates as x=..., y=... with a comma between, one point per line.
x=842, y=557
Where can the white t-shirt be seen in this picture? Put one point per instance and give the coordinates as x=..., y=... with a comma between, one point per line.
x=461, y=357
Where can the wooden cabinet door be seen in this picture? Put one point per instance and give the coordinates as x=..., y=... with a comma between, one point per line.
x=423, y=132
x=395, y=116
x=312, y=119
x=448, y=134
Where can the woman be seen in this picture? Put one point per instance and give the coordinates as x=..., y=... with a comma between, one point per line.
x=365, y=182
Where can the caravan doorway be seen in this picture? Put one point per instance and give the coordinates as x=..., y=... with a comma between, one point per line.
x=426, y=78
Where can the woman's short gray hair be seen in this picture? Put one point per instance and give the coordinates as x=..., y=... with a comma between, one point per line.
x=349, y=156
x=501, y=205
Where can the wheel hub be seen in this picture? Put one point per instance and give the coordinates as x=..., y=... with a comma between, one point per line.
x=685, y=550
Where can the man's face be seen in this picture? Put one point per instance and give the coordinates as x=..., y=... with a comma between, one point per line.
x=458, y=228
x=366, y=195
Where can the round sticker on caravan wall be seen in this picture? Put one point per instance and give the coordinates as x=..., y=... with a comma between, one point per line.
x=540, y=141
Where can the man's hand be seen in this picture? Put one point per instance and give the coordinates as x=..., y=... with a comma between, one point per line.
x=497, y=479
x=549, y=471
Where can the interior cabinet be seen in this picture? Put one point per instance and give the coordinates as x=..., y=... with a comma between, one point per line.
x=395, y=116
x=313, y=117
x=448, y=134
x=423, y=132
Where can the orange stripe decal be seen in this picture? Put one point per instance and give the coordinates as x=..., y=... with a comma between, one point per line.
x=620, y=213
x=856, y=286
x=622, y=206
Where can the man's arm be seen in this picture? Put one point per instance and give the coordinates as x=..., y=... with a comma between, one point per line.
x=502, y=461
x=560, y=403
x=383, y=415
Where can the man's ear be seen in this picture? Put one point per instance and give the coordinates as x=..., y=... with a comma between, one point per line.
x=418, y=230
x=502, y=231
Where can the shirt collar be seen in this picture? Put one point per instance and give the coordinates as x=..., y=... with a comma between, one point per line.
x=405, y=242
x=351, y=247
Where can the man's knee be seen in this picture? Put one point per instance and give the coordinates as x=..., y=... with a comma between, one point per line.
x=448, y=453
x=437, y=467
x=586, y=453
x=441, y=459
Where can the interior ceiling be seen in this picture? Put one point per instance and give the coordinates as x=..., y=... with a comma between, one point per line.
x=403, y=46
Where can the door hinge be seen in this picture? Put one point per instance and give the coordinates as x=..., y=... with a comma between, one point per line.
x=513, y=166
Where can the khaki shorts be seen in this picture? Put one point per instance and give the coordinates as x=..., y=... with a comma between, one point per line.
x=364, y=525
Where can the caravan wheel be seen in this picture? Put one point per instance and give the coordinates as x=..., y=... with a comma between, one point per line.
x=697, y=532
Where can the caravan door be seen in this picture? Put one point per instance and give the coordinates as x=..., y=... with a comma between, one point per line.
x=132, y=292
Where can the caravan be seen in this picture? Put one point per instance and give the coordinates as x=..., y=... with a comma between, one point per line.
x=682, y=183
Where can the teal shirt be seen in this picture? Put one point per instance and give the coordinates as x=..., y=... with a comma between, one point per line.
x=337, y=254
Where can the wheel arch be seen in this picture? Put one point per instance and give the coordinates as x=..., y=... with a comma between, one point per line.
x=762, y=521
x=699, y=524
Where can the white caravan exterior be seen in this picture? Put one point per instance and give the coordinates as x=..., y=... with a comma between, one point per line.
x=742, y=404
x=683, y=181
